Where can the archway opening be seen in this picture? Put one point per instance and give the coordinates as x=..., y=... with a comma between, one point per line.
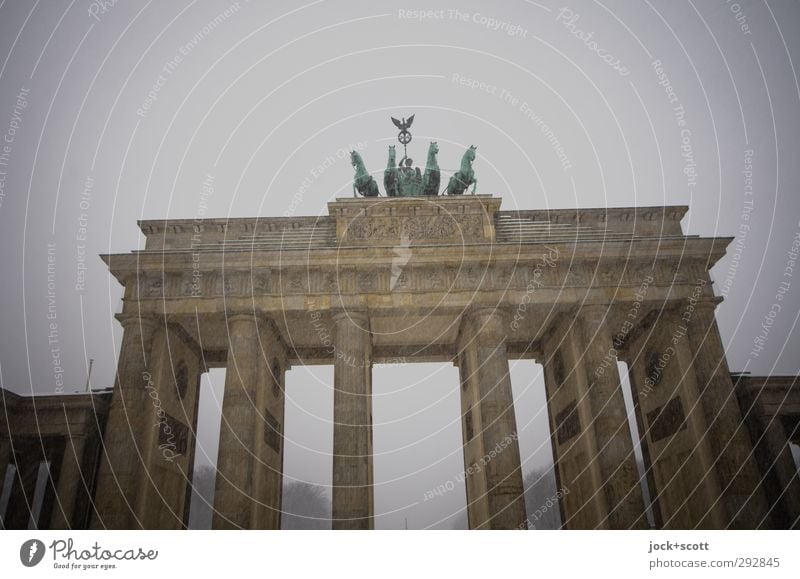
x=631, y=409
x=308, y=448
x=209, y=419
x=5, y=493
x=535, y=447
x=40, y=489
x=795, y=449
x=417, y=446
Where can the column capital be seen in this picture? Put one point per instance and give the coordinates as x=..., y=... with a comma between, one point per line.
x=485, y=316
x=261, y=319
x=488, y=322
x=241, y=316
x=358, y=318
x=175, y=326
x=486, y=311
x=708, y=304
x=147, y=322
x=702, y=318
x=596, y=314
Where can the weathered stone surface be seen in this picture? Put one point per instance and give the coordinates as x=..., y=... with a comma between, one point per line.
x=771, y=407
x=63, y=429
x=353, y=502
x=743, y=495
x=610, y=422
x=491, y=447
x=428, y=279
x=682, y=469
x=249, y=470
x=121, y=469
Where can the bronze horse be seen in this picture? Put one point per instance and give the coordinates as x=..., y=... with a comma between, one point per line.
x=363, y=183
x=390, y=181
x=432, y=177
x=465, y=176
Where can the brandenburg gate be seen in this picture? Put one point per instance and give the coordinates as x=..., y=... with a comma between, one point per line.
x=423, y=278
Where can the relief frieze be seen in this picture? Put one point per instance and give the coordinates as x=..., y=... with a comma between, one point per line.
x=444, y=227
x=402, y=277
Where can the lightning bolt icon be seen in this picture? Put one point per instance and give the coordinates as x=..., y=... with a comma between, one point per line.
x=402, y=253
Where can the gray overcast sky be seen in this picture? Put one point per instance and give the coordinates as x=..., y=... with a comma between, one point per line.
x=259, y=101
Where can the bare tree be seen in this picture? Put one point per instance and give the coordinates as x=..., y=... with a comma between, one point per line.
x=305, y=506
x=460, y=522
x=202, y=507
x=541, y=499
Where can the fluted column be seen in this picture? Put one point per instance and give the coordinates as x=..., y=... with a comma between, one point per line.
x=70, y=483
x=120, y=464
x=234, y=497
x=149, y=497
x=353, y=506
x=5, y=459
x=583, y=504
x=683, y=481
x=706, y=483
x=491, y=449
x=781, y=466
x=742, y=494
x=268, y=471
x=170, y=416
x=620, y=479
x=763, y=407
x=18, y=513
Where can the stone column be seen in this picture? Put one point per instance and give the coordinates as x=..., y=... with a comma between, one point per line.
x=120, y=465
x=149, y=497
x=780, y=478
x=70, y=483
x=620, y=479
x=352, y=422
x=582, y=503
x=268, y=472
x=491, y=449
x=707, y=482
x=189, y=487
x=786, y=472
x=234, y=495
x=18, y=513
x=682, y=480
x=5, y=450
x=5, y=460
x=742, y=494
x=170, y=416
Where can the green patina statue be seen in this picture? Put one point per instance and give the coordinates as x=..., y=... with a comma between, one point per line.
x=404, y=180
x=432, y=177
x=363, y=183
x=465, y=175
x=409, y=179
x=390, y=183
